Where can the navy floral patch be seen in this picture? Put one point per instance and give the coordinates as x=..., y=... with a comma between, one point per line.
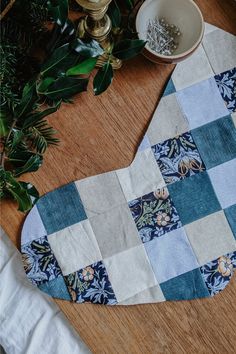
x=218, y=273
x=91, y=284
x=178, y=158
x=226, y=83
x=154, y=214
x=39, y=261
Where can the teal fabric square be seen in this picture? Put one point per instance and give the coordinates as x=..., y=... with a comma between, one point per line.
x=216, y=141
x=56, y=288
x=170, y=88
x=230, y=214
x=187, y=286
x=61, y=208
x=194, y=197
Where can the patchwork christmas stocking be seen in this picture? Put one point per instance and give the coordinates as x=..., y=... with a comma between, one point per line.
x=163, y=228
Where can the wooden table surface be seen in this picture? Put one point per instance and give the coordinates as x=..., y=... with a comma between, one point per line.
x=99, y=134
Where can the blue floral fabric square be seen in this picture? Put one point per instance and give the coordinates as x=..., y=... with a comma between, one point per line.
x=178, y=158
x=91, y=284
x=218, y=273
x=39, y=261
x=154, y=214
x=226, y=83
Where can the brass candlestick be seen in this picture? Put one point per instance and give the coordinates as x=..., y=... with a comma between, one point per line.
x=97, y=25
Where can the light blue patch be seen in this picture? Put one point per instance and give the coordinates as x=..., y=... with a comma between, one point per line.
x=216, y=141
x=170, y=88
x=61, y=208
x=185, y=287
x=56, y=288
x=230, y=214
x=194, y=197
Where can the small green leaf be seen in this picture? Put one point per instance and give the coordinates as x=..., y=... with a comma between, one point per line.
x=114, y=14
x=83, y=68
x=28, y=99
x=31, y=190
x=4, y=121
x=58, y=10
x=128, y=48
x=43, y=84
x=103, y=79
x=18, y=192
x=37, y=116
x=31, y=165
x=65, y=87
x=17, y=137
x=129, y=4
x=87, y=49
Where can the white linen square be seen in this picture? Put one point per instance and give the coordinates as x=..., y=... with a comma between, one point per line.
x=129, y=272
x=202, y=103
x=75, y=247
x=220, y=47
x=210, y=237
x=194, y=69
x=168, y=121
x=223, y=179
x=141, y=177
x=100, y=193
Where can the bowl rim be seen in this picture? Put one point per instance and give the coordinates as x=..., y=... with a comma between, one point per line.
x=177, y=56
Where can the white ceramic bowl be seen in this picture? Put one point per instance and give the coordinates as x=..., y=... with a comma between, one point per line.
x=183, y=13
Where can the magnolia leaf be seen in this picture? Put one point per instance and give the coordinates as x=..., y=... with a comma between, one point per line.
x=103, y=79
x=61, y=59
x=18, y=192
x=61, y=35
x=28, y=99
x=31, y=165
x=39, y=115
x=65, y=87
x=114, y=14
x=128, y=48
x=43, y=84
x=17, y=138
x=31, y=190
x=4, y=121
x=58, y=10
x=83, y=68
x=87, y=49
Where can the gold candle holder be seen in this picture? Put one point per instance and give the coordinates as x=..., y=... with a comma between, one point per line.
x=97, y=25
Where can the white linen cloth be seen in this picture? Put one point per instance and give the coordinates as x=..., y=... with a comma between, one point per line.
x=30, y=322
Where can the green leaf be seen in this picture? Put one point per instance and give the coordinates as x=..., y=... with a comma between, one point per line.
x=114, y=14
x=31, y=165
x=61, y=59
x=43, y=84
x=31, y=190
x=4, y=121
x=41, y=135
x=66, y=87
x=17, y=138
x=61, y=35
x=129, y=4
x=28, y=99
x=128, y=48
x=103, y=79
x=83, y=68
x=58, y=10
x=38, y=116
x=18, y=192
x=87, y=49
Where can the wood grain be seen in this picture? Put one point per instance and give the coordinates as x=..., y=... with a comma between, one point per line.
x=99, y=134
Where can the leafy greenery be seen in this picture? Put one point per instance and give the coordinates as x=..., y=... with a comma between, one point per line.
x=36, y=78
